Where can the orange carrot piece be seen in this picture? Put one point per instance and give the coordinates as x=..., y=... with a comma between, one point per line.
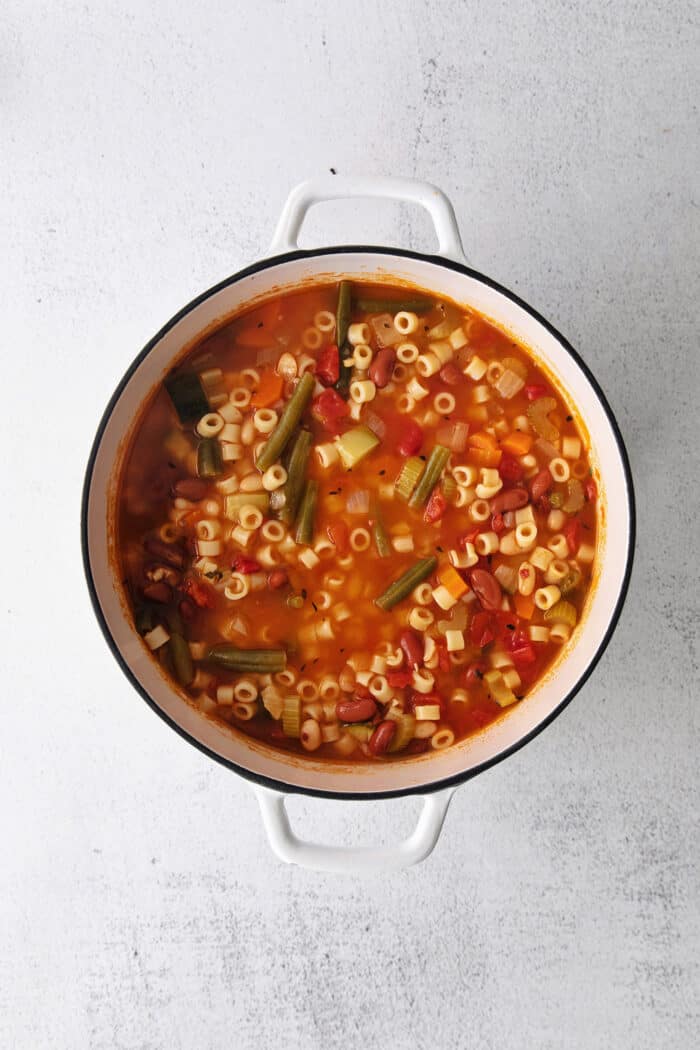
x=482, y=440
x=269, y=390
x=450, y=578
x=484, y=457
x=524, y=606
x=517, y=443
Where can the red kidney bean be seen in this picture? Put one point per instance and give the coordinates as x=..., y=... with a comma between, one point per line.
x=541, y=483
x=412, y=647
x=382, y=366
x=277, y=579
x=158, y=592
x=381, y=738
x=166, y=552
x=487, y=589
x=450, y=374
x=187, y=610
x=510, y=499
x=355, y=710
x=191, y=488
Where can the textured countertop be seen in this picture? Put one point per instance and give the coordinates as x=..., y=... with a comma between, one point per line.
x=146, y=155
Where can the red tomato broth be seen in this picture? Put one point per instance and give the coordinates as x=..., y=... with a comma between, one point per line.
x=163, y=450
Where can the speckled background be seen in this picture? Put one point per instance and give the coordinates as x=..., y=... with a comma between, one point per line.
x=145, y=155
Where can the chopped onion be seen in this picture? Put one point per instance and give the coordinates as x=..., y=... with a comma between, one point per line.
x=375, y=423
x=453, y=436
x=507, y=576
x=358, y=502
x=239, y=624
x=456, y=622
x=509, y=384
x=384, y=330
x=509, y=519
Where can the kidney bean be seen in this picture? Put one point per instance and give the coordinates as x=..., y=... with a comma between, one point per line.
x=381, y=738
x=450, y=374
x=411, y=438
x=382, y=366
x=541, y=484
x=166, y=552
x=510, y=499
x=359, y=710
x=191, y=488
x=187, y=610
x=412, y=647
x=277, y=579
x=487, y=589
x=158, y=592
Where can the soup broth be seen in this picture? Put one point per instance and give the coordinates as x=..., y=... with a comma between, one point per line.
x=357, y=521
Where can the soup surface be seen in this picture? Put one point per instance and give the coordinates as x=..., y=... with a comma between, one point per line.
x=357, y=521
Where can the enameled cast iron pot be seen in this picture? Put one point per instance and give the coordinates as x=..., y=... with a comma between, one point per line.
x=435, y=776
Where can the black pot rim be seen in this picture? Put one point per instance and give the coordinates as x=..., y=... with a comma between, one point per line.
x=422, y=789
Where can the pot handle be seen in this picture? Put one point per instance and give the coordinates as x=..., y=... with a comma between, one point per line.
x=348, y=860
x=337, y=187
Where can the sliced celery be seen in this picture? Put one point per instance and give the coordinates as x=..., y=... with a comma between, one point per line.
x=562, y=612
x=291, y=716
x=233, y=504
x=498, y=689
x=408, y=477
x=405, y=728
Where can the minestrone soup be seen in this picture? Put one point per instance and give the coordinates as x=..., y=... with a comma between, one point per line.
x=357, y=521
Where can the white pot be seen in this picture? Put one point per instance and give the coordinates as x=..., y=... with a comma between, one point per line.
x=436, y=775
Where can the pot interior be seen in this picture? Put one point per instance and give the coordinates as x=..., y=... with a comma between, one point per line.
x=614, y=526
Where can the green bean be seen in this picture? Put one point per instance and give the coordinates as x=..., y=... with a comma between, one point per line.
x=381, y=540
x=175, y=624
x=187, y=395
x=182, y=660
x=380, y=306
x=402, y=587
x=209, y=461
x=143, y=619
x=342, y=385
x=296, y=473
x=293, y=411
x=431, y=475
x=253, y=661
x=307, y=513
x=342, y=314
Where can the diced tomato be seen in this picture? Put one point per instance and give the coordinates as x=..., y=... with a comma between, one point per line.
x=536, y=390
x=523, y=656
x=591, y=490
x=482, y=629
x=245, y=565
x=200, y=594
x=572, y=532
x=338, y=534
x=510, y=468
x=544, y=504
x=329, y=407
x=411, y=438
x=399, y=679
x=443, y=657
x=497, y=523
x=475, y=673
x=328, y=365
x=468, y=537
x=437, y=505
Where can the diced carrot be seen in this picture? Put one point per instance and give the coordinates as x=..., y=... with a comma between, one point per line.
x=484, y=457
x=524, y=606
x=517, y=443
x=269, y=390
x=482, y=440
x=450, y=578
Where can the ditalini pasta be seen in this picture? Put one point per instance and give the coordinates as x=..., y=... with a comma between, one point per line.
x=358, y=521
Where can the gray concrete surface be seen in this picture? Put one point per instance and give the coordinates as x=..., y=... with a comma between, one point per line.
x=146, y=153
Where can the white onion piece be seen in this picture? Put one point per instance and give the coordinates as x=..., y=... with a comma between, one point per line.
x=358, y=502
